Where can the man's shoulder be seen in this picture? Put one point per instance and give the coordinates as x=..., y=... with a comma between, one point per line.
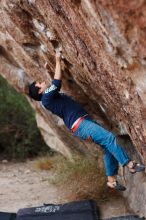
x=50, y=89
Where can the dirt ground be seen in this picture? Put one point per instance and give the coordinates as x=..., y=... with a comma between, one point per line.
x=22, y=185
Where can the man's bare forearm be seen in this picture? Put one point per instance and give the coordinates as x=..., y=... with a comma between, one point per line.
x=58, y=72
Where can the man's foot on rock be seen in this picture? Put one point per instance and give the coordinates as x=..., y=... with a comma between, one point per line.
x=135, y=167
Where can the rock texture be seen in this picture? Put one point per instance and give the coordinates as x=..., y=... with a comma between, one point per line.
x=104, y=50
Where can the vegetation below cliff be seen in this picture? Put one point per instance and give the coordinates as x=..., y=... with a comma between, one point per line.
x=19, y=135
x=38, y=189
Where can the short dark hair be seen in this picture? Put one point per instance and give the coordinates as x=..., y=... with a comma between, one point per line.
x=34, y=92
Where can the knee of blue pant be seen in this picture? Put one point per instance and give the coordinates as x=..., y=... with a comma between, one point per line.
x=110, y=138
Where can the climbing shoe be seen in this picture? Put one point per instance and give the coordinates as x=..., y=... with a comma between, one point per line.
x=116, y=185
x=136, y=167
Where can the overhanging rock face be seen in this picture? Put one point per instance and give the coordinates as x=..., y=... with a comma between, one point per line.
x=104, y=65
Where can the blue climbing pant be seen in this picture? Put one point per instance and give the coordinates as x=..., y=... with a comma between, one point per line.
x=113, y=153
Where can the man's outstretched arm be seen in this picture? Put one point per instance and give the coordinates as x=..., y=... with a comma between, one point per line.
x=53, y=90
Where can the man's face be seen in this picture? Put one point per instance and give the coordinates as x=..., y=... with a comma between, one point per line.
x=42, y=85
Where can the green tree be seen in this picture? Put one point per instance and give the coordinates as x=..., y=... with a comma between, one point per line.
x=19, y=135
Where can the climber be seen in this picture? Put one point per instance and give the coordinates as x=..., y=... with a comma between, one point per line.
x=81, y=125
